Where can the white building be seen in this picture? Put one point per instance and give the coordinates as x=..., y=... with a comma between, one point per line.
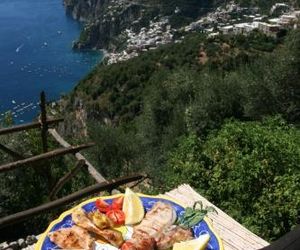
x=226, y=29
x=212, y=35
x=269, y=29
x=274, y=20
x=243, y=28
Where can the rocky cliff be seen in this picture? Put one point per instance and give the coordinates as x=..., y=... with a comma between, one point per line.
x=106, y=20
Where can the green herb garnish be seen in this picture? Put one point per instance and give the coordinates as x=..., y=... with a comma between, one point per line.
x=193, y=215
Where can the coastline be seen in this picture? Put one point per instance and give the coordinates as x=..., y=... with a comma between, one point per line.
x=105, y=53
x=38, y=61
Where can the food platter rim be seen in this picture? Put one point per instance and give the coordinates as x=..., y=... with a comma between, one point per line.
x=40, y=242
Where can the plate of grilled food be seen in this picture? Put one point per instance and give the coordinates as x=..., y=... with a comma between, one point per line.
x=132, y=221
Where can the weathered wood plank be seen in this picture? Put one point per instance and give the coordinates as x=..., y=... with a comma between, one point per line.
x=92, y=170
x=14, y=218
x=27, y=126
x=63, y=180
x=44, y=156
x=233, y=234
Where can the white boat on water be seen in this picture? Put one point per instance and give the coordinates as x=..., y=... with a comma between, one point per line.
x=19, y=48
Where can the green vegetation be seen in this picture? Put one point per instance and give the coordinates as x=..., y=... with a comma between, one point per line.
x=250, y=169
x=188, y=10
x=166, y=113
x=218, y=113
x=116, y=91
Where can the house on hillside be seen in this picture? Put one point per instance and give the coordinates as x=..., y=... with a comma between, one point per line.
x=227, y=29
x=243, y=28
x=269, y=29
x=288, y=20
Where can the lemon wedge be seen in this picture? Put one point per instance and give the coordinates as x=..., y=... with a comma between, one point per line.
x=196, y=244
x=133, y=208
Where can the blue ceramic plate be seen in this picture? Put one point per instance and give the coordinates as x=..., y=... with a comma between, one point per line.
x=65, y=221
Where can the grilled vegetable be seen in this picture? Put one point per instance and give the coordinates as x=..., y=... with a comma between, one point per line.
x=101, y=220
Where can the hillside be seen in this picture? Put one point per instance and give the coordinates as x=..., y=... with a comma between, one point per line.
x=107, y=20
x=115, y=92
x=159, y=113
x=221, y=113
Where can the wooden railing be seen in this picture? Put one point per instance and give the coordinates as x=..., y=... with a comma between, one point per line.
x=12, y=219
x=21, y=162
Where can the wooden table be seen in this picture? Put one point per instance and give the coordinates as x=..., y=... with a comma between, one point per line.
x=234, y=235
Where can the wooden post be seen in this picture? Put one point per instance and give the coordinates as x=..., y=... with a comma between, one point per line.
x=14, y=218
x=62, y=181
x=43, y=120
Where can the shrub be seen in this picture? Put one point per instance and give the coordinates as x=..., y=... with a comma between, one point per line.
x=249, y=169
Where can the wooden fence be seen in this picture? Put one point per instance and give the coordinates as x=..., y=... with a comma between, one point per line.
x=21, y=161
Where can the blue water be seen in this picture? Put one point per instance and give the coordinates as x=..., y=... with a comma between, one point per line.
x=36, y=54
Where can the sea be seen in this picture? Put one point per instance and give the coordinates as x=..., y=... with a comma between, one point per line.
x=36, y=55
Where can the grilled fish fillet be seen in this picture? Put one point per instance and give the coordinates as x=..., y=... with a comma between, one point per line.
x=114, y=237
x=72, y=238
x=161, y=216
x=172, y=235
x=139, y=244
x=81, y=219
x=144, y=237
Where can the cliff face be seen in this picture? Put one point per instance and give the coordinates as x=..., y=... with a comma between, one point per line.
x=105, y=20
x=87, y=9
x=80, y=10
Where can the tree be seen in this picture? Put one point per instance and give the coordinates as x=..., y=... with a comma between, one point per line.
x=272, y=85
x=249, y=169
